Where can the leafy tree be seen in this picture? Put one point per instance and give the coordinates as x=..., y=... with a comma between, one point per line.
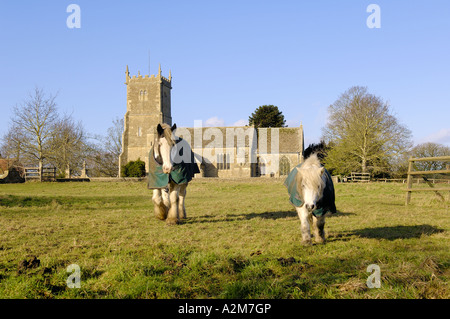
x=267, y=116
x=364, y=135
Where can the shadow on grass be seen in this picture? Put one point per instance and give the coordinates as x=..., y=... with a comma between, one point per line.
x=271, y=215
x=340, y=214
x=24, y=201
x=87, y=201
x=397, y=232
x=388, y=232
x=248, y=216
x=286, y=214
x=243, y=216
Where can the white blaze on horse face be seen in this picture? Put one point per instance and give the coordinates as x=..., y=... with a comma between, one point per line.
x=164, y=148
x=310, y=197
x=313, y=190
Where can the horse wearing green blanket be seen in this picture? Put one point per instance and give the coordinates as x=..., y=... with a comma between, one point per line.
x=311, y=192
x=171, y=167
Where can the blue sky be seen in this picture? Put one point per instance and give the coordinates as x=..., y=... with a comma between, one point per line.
x=229, y=57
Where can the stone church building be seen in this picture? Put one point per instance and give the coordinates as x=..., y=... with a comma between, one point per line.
x=220, y=151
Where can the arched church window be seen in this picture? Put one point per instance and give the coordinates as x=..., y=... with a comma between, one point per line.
x=143, y=95
x=285, y=166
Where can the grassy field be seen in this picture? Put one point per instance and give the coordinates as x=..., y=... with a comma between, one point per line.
x=241, y=240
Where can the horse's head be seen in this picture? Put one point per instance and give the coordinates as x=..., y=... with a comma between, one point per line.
x=163, y=146
x=311, y=182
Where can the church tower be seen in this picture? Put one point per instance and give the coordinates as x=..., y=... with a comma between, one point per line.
x=148, y=103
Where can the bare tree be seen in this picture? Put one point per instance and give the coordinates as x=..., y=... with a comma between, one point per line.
x=35, y=118
x=104, y=156
x=68, y=144
x=363, y=133
x=11, y=146
x=113, y=140
x=430, y=150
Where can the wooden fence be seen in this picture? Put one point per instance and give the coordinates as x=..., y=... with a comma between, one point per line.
x=412, y=172
x=33, y=173
x=360, y=177
x=414, y=180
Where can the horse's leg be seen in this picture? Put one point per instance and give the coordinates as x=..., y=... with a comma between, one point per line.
x=303, y=214
x=166, y=200
x=160, y=208
x=172, y=217
x=319, y=233
x=181, y=197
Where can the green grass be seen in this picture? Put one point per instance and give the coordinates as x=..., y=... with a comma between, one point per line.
x=241, y=240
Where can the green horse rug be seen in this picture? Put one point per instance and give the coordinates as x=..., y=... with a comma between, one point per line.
x=324, y=205
x=183, y=171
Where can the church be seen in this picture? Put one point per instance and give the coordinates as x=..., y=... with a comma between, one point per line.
x=224, y=152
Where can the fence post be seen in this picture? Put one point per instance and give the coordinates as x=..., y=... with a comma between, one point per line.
x=409, y=181
x=447, y=167
x=411, y=173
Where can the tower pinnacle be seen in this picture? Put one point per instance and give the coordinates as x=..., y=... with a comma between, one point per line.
x=127, y=75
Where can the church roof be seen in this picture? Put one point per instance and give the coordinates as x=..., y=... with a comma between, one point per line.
x=290, y=139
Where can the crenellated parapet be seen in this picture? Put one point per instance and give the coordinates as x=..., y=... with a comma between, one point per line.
x=166, y=80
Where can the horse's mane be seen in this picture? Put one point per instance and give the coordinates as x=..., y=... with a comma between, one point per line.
x=167, y=134
x=320, y=149
x=312, y=160
x=310, y=171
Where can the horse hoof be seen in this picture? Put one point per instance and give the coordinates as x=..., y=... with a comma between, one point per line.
x=160, y=216
x=306, y=243
x=320, y=241
x=172, y=221
x=160, y=213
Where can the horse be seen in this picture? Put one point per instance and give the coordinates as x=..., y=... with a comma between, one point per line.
x=312, y=194
x=171, y=167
